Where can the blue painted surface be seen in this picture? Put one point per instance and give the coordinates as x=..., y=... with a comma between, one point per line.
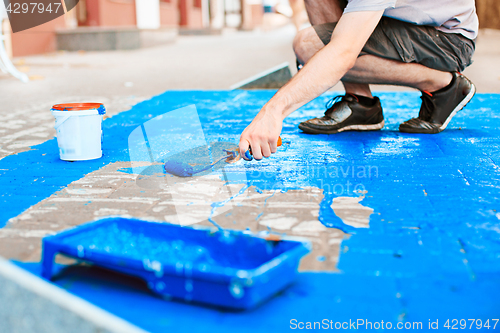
x=433, y=246
x=313, y=297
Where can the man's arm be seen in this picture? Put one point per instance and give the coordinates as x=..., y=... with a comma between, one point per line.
x=322, y=72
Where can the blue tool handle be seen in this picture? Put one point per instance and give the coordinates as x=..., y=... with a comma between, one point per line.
x=248, y=155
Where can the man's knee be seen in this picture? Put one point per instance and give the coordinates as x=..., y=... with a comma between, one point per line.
x=299, y=41
x=306, y=43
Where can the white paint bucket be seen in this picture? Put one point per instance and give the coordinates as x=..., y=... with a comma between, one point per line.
x=79, y=130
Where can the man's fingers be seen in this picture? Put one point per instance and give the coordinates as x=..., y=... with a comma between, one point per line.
x=257, y=151
x=256, y=146
x=244, y=146
x=273, y=145
x=266, y=149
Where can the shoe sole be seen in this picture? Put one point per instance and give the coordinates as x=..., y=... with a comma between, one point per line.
x=441, y=128
x=373, y=127
x=460, y=106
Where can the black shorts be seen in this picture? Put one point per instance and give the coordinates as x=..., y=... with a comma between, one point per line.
x=407, y=42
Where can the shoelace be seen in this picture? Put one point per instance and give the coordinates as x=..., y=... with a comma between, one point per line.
x=428, y=106
x=332, y=102
x=336, y=99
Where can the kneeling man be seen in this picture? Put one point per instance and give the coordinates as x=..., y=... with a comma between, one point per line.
x=423, y=44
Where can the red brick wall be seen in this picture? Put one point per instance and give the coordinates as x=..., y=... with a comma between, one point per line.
x=169, y=13
x=190, y=15
x=92, y=11
x=110, y=13
x=114, y=13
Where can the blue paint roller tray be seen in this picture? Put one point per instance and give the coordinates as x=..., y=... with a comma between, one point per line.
x=232, y=269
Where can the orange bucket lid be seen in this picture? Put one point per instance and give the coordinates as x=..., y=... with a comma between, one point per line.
x=77, y=106
x=80, y=107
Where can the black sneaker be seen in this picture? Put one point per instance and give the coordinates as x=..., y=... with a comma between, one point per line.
x=439, y=107
x=346, y=113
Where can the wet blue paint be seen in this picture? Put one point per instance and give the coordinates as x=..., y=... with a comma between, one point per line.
x=121, y=239
x=101, y=110
x=314, y=297
x=434, y=233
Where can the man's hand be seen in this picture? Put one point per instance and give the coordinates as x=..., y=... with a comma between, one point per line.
x=261, y=135
x=321, y=73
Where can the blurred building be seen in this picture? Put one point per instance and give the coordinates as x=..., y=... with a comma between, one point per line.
x=129, y=24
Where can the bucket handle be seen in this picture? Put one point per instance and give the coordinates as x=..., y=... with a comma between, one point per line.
x=60, y=121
